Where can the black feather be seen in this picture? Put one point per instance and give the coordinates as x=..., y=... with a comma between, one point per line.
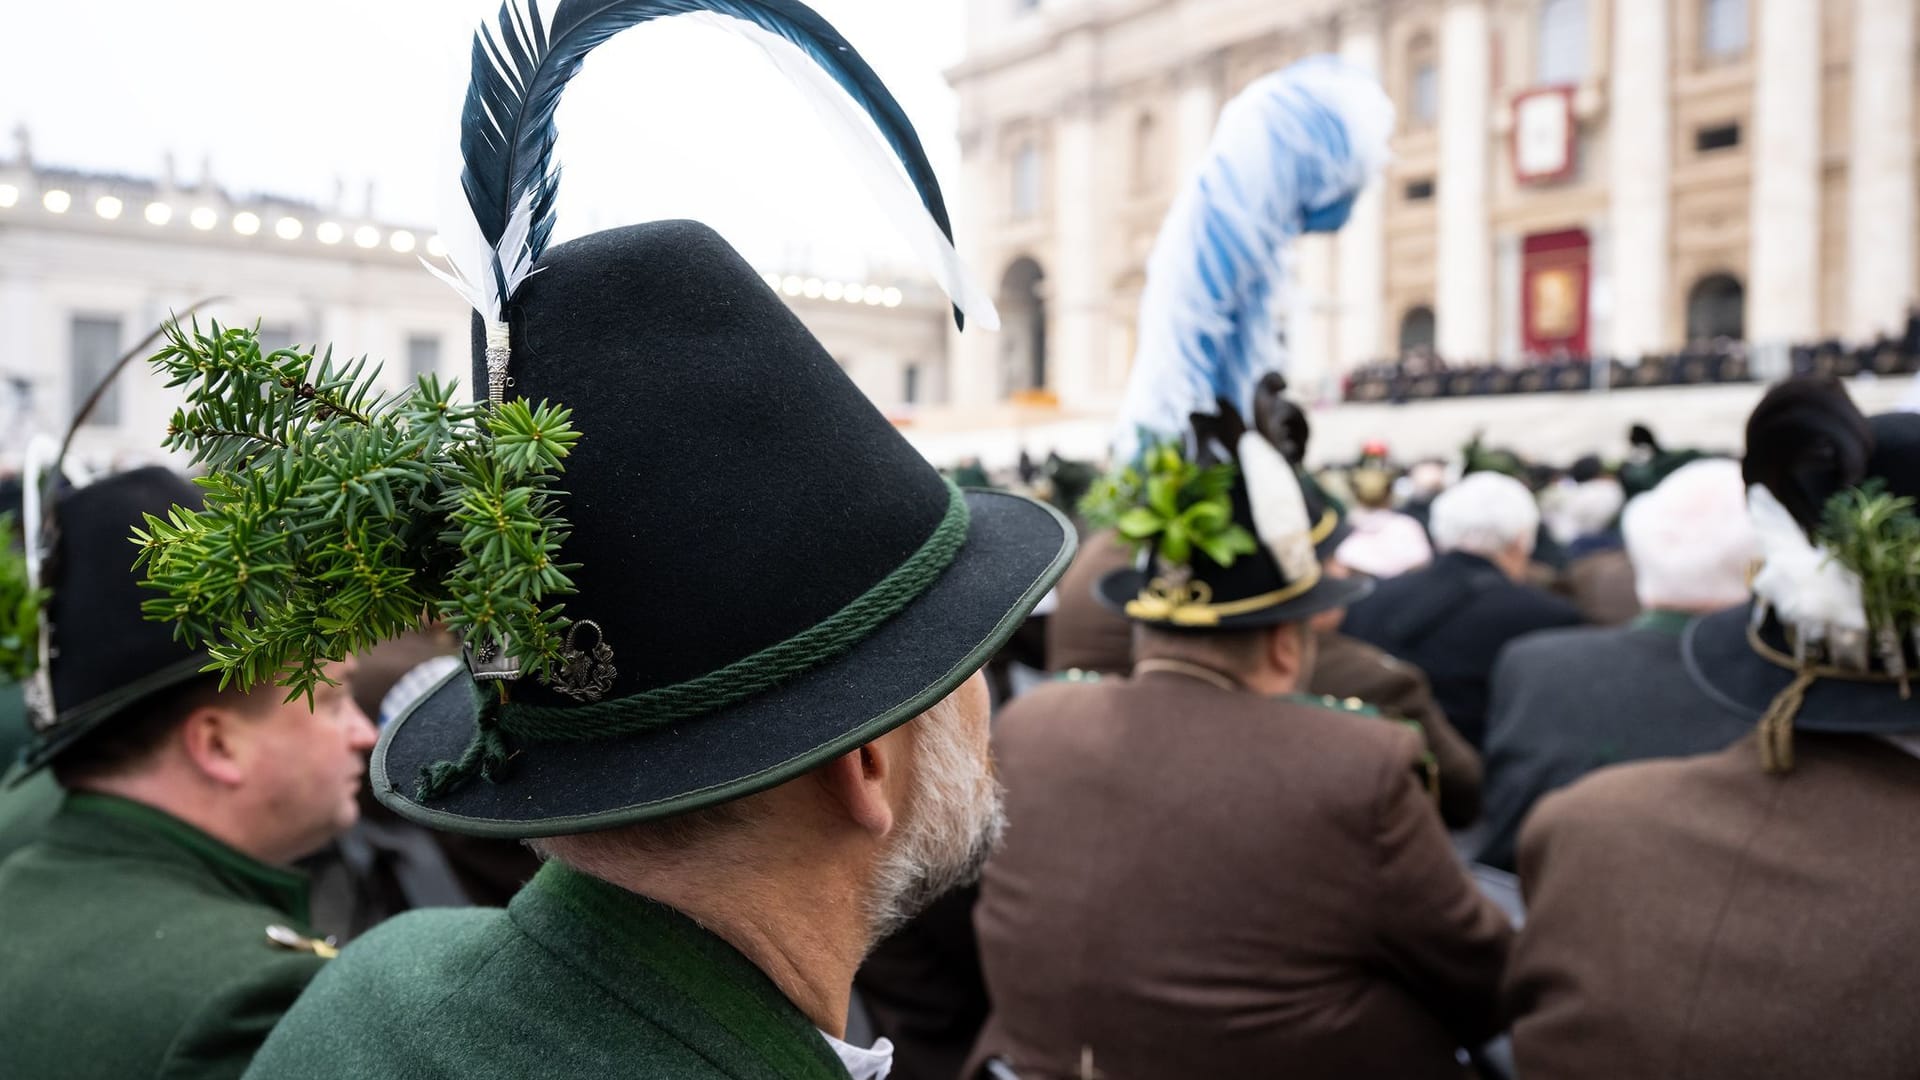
x=1221, y=428
x=519, y=73
x=1279, y=419
x=1806, y=442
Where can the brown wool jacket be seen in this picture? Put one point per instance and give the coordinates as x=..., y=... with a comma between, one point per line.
x=1697, y=918
x=1203, y=882
x=1085, y=635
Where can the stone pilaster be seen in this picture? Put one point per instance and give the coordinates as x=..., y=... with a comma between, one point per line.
x=1464, y=308
x=1880, y=176
x=1639, y=177
x=1784, y=265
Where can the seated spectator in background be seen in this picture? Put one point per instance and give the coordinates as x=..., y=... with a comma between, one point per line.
x=1209, y=874
x=1749, y=913
x=1385, y=542
x=1598, y=577
x=1566, y=702
x=1451, y=619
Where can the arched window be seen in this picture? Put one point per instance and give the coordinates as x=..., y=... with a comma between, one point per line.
x=1723, y=28
x=1416, y=330
x=1023, y=327
x=1562, y=41
x=1026, y=179
x=1146, y=154
x=1422, y=105
x=1716, y=308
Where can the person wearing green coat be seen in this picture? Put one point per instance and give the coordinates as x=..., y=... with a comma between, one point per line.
x=154, y=927
x=756, y=741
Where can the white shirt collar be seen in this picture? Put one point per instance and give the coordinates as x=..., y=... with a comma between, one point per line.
x=863, y=1064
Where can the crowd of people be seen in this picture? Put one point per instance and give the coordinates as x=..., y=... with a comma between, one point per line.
x=662, y=712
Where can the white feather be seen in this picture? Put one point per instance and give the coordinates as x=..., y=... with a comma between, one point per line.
x=1800, y=579
x=1279, y=507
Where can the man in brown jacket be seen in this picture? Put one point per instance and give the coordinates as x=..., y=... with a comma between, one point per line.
x=1749, y=914
x=1084, y=635
x=1207, y=874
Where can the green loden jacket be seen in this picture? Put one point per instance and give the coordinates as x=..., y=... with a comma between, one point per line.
x=575, y=978
x=133, y=945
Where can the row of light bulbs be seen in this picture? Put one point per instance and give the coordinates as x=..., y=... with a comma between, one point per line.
x=246, y=222
x=848, y=292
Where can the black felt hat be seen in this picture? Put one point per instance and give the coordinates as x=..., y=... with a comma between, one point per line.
x=1807, y=443
x=1282, y=579
x=104, y=657
x=769, y=574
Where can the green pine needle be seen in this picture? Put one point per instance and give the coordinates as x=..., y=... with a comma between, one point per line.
x=337, y=517
x=19, y=608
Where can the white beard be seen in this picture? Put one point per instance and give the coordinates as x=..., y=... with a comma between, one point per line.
x=954, y=821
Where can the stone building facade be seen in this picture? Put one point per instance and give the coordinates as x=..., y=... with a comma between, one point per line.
x=90, y=264
x=1604, y=177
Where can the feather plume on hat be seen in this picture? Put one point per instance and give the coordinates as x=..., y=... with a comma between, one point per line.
x=1290, y=155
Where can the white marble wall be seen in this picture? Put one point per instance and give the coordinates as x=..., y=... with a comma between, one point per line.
x=1880, y=177
x=1464, y=275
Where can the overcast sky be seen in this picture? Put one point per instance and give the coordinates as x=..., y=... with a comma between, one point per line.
x=306, y=98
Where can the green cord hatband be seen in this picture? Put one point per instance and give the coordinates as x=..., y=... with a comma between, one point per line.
x=499, y=725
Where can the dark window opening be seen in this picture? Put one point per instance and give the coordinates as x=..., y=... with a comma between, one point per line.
x=1720, y=137
x=1420, y=190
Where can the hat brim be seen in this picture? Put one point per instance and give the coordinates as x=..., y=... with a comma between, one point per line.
x=1016, y=548
x=74, y=725
x=1722, y=663
x=1121, y=587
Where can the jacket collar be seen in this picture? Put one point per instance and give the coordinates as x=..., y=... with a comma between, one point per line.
x=1671, y=623
x=667, y=968
x=110, y=825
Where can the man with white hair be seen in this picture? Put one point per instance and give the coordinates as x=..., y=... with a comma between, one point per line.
x=1560, y=708
x=1452, y=618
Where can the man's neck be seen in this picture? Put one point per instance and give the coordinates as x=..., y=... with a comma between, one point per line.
x=162, y=794
x=804, y=926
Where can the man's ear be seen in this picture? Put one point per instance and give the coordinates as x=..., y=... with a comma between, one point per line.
x=1286, y=647
x=216, y=741
x=857, y=783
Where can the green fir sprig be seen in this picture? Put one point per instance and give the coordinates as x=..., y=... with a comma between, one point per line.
x=336, y=516
x=19, y=608
x=1876, y=535
x=1173, y=504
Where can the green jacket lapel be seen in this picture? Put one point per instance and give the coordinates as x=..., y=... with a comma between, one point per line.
x=670, y=970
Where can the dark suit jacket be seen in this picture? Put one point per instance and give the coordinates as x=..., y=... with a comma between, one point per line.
x=576, y=978
x=1203, y=882
x=1567, y=702
x=1347, y=667
x=1451, y=620
x=1699, y=918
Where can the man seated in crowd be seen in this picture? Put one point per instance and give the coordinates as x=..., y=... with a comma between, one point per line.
x=156, y=927
x=1566, y=702
x=1207, y=873
x=1749, y=913
x=1452, y=618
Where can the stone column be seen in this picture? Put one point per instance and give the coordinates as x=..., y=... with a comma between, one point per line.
x=1784, y=269
x=1639, y=178
x=1463, y=304
x=972, y=368
x=1311, y=311
x=1195, y=112
x=1076, y=303
x=1880, y=172
x=1361, y=246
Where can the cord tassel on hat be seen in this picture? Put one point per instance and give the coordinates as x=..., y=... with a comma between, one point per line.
x=489, y=754
x=1776, y=727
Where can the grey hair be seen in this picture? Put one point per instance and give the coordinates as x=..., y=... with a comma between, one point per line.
x=1485, y=514
x=953, y=821
x=1690, y=539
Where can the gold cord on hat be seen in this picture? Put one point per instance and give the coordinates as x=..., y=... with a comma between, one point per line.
x=1776, y=725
